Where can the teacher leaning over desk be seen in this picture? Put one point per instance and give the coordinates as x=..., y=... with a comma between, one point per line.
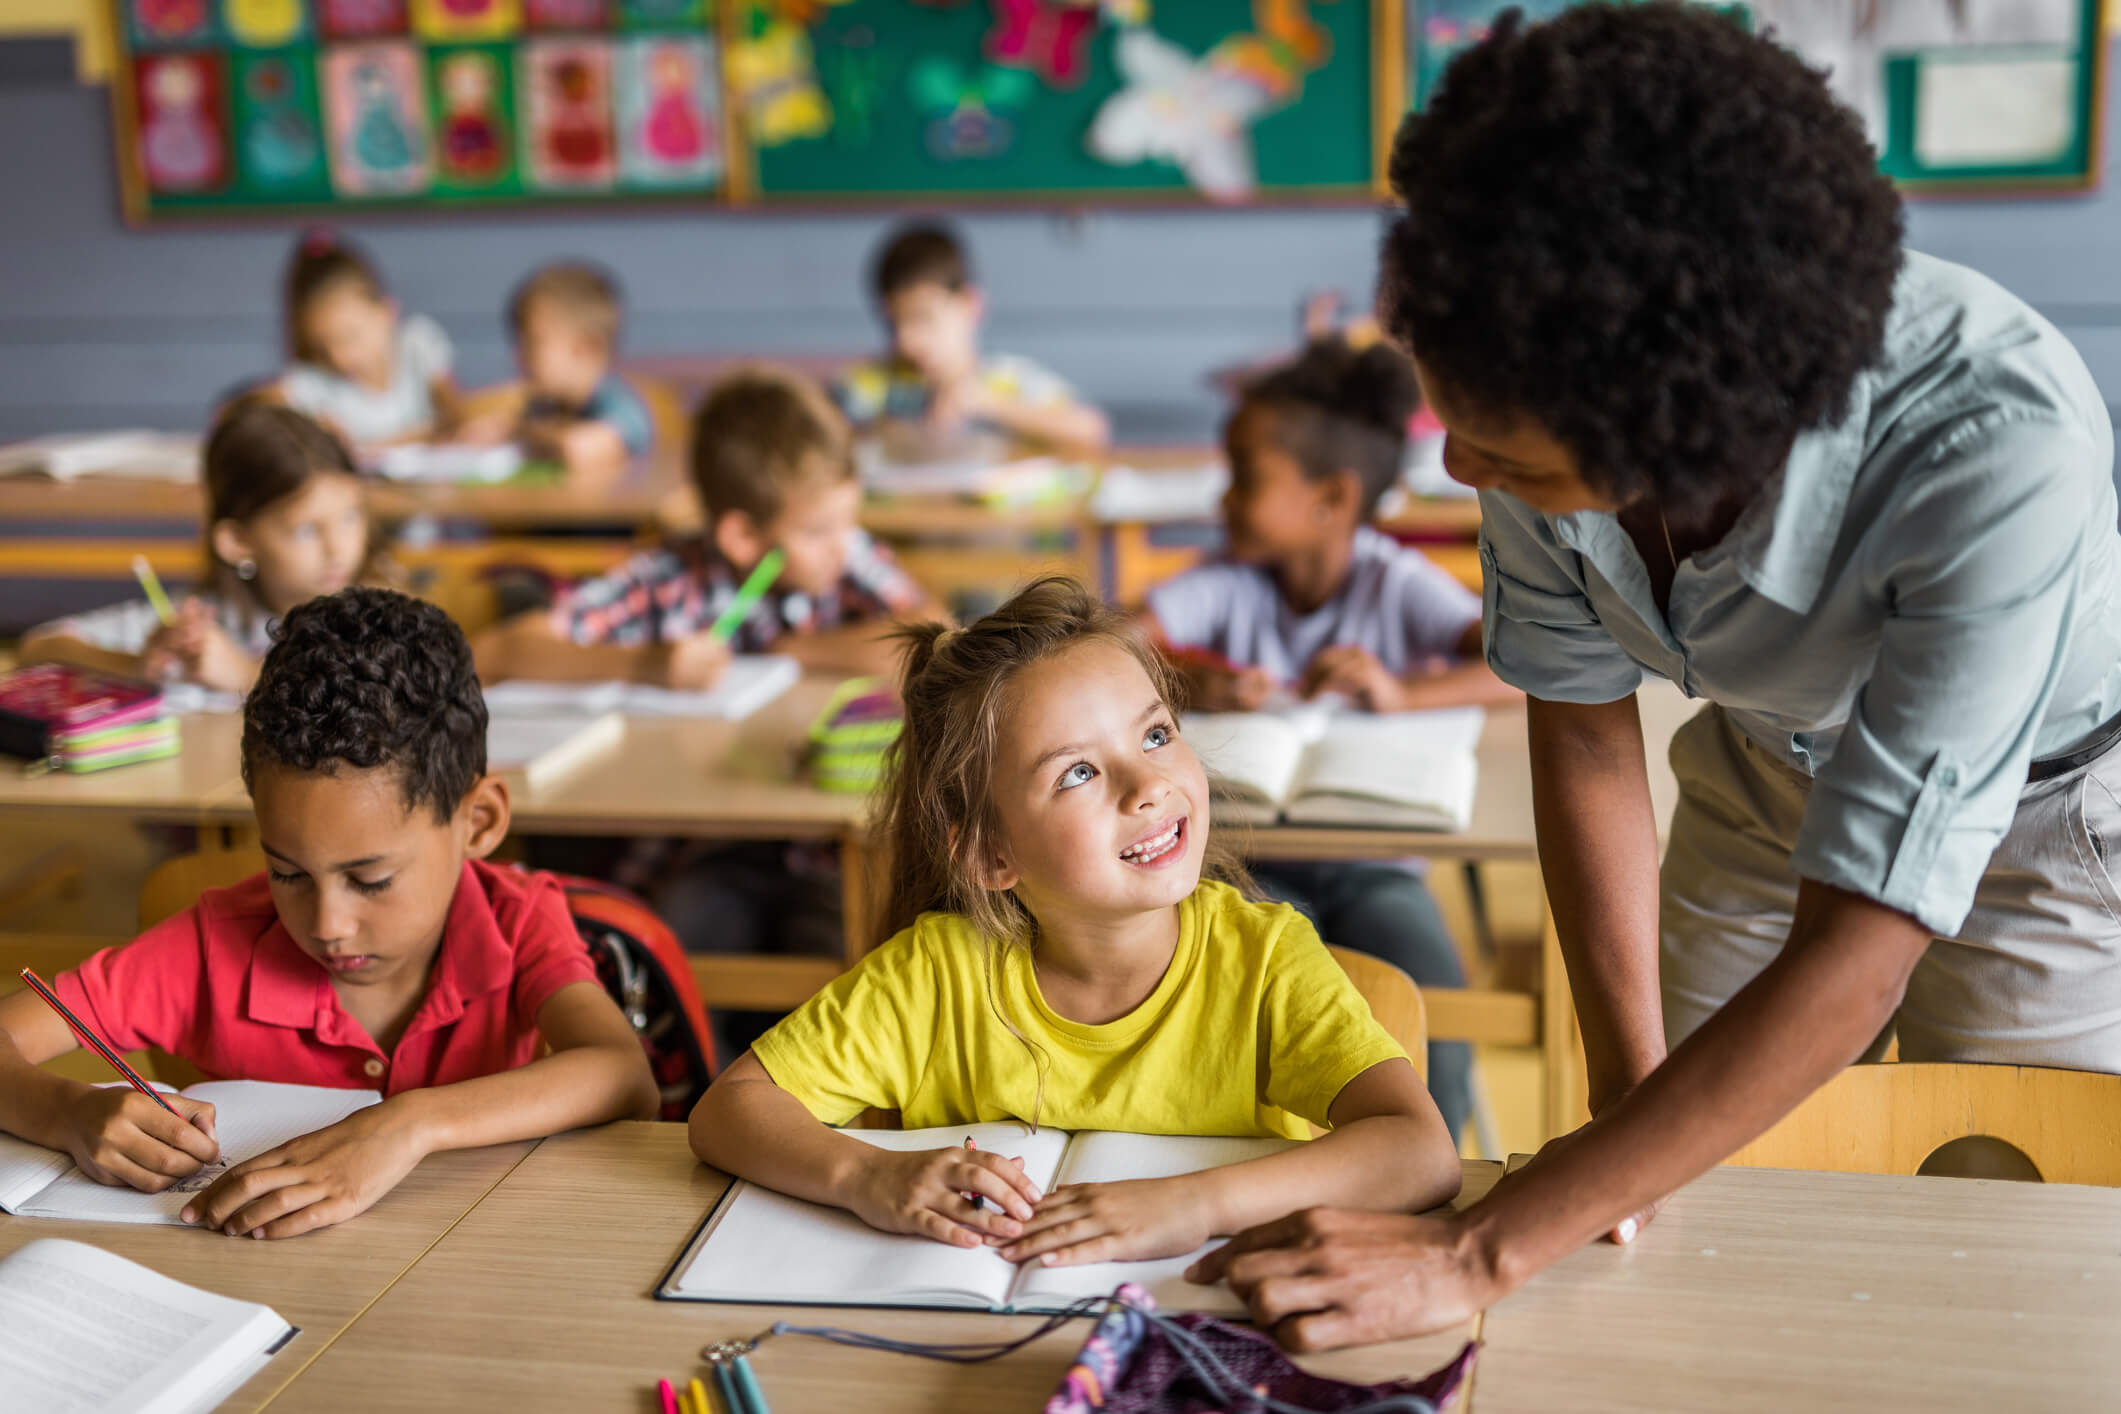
x=1728, y=432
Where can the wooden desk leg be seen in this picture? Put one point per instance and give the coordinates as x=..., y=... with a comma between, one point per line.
x=857, y=902
x=1558, y=1037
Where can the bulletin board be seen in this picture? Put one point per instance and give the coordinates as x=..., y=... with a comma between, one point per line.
x=271, y=106
x=1958, y=95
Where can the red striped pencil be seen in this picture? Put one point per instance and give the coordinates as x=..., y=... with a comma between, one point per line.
x=92, y=1040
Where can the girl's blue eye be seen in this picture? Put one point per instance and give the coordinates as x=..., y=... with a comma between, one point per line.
x=1079, y=774
x=1159, y=735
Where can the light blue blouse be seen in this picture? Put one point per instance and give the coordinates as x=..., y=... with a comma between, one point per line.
x=1920, y=606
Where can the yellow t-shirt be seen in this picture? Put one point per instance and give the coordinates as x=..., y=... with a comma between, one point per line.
x=1253, y=1029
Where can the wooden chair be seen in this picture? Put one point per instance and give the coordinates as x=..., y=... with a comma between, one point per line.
x=2064, y=1126
x=1394, y=1000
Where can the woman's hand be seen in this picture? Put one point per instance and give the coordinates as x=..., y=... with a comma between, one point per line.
x=322, y=1178
x=1328, y=1277
x=930, y=1193
x=1113, y=1222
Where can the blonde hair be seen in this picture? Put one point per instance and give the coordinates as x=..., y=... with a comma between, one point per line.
x=936, y=813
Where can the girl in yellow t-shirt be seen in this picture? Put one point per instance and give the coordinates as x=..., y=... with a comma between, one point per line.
x=1056, y=957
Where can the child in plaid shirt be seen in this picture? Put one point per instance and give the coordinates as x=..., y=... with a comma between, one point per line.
x=773, y=464
x=772, y=460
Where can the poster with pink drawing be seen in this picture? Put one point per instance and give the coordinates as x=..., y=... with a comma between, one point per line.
x=669, y=111
x=375, y=112
x=565, y=90
x=183, y=123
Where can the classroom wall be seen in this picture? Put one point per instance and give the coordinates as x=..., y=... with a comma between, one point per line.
x=103, y=326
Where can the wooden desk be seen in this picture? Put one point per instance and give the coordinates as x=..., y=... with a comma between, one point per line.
x=202, y=782
x=1760, y=1290
x=320, y=1282
x=540, y=1299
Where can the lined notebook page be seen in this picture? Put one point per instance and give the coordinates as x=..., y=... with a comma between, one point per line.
x=250, y=1117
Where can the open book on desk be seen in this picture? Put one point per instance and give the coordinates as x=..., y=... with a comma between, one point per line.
x=1312, y=766
x=83, y=1331
x=758, y=1247
x=749, y=682
x=250, y=1117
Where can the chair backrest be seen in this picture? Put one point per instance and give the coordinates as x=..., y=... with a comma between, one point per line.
x=1394, y=1000
x=176, y=884
x=1894, y=1118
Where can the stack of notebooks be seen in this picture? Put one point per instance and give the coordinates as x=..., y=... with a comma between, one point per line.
x=849, y=738
x=59, y=717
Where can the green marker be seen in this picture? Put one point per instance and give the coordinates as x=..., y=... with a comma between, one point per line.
x=152, y=585
x=748, y=595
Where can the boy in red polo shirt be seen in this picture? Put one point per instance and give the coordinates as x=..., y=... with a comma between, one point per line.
x=377, y=951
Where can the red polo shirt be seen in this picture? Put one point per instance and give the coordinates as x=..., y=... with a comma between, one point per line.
x=223, y=986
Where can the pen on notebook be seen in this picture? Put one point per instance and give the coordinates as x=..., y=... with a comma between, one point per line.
x=151, y=586
x=979, y=1204
x=666, y=1398
x=95, y=1042
x=748, y=594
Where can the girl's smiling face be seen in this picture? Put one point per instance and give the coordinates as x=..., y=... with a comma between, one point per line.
x=1103, y=810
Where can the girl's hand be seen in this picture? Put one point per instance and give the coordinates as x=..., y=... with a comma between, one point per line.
x=924, y=1193
x=1113, y=1222
x=1355, y=673
x=215, y=660
x=121, y=1138
x=319, y=1179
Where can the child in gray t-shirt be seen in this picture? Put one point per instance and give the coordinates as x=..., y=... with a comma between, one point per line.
x=1311, y=598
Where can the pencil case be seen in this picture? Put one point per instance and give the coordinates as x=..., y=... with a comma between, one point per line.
x=46, y=703
x=848, y=740
x=104, y=747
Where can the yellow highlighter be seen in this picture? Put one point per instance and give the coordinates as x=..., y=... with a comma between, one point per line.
x=698, y=1393
x=151, y=585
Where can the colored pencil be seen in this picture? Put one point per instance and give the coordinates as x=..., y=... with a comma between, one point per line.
x=748, y=594
x=151, y=585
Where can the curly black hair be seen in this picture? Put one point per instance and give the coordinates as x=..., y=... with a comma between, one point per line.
x=1656, y=235
x=371, y=678
x=1341, y=408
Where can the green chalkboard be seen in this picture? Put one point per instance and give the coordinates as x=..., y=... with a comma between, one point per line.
x=917, y=99
x=1958, y=95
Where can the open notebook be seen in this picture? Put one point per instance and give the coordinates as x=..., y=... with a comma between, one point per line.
x=543, y=749
x=1410, y=770
x=764, y=1248
x=83, y=1331
x=749, y=682
x=250, y=1116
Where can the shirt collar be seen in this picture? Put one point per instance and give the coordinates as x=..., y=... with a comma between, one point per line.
x=1784, y=542
x=289, y=988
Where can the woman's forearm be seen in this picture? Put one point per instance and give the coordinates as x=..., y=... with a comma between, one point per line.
x=1789, y=1031
x=1598, y=855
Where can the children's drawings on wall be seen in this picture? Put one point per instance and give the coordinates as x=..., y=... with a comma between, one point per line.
x=160, y=24
x=265, y=24
x=565, y=14
x=361, y=19
x=774, y=73
x=567, y=128
x=182, y=144
x=669, y=111
x=474, y=135
x=446, y=20
x=970, y=117
x=375, y=113
x=278, y=131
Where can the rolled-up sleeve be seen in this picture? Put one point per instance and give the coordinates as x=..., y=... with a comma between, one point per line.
x=1979, y=576
x=1542, y=634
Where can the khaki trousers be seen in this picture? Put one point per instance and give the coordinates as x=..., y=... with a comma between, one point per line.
x=2034, y=976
